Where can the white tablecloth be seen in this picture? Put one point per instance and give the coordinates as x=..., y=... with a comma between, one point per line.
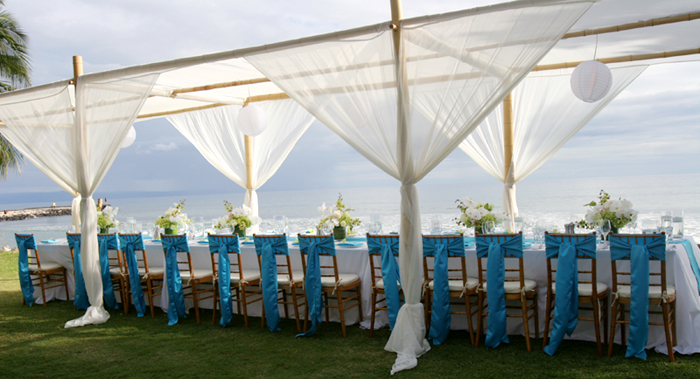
x=355, y=260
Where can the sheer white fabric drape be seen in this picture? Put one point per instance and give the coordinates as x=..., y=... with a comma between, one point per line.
x=452, y=69
x=546, y=114
x=75, y=148
x=215, y=134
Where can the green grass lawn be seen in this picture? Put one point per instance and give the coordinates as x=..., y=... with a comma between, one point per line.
x=34, y=344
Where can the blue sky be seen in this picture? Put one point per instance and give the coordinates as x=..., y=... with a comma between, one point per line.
x=652, y=127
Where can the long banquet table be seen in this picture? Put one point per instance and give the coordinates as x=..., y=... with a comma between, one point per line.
x=355, y=260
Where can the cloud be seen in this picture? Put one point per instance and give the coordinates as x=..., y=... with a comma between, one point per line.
x=164, y=146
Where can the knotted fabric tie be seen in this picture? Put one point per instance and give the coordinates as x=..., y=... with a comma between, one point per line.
x=495, y=283
x=80, y=300
x=176, y=304
x=223, y=246
x=440, y=319
x=266, y=248
x=108, y=242
x=313, y=247
x=129, y=245
x=566, y=304
x=390, y=274
x=25, y=279
x=639, y=255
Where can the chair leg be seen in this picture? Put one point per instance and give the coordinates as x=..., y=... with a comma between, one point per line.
x=479, y=316
x=667, y=330
x=596, y=323
x=468, y=304
x=149, y=286
x=374, y=310
x=359, y=303
x=214, y=301
x=293, y=290
x=547, y=318
x=536, y=315
x=284, y=301
x=65, y=283
x=623, y=333
x=673, y=323
x=340, y=310
x=606, y=316
x=613, y=322
x=43, y=292
x=427, y=310
x=244, y=303
x=262, y=317
x=523, y=306
x=306, y=312
x=194, y=298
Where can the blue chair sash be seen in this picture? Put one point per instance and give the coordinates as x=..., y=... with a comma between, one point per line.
x=639, y=255
x=266, y=248
x=566, y=303
x=390, y=274
x=313, y=248
x=441, y=317
x=223, y=246
x=106, y=243
x=495, y=282
x=176, y=304
x=25, y=279
x=129, y=245
x=80, y=300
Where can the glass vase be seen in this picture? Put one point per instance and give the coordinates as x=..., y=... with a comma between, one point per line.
x=339, y=233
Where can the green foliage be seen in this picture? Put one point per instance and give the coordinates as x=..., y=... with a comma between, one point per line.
x=338, y=216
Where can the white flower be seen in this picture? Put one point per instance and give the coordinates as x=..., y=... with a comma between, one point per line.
x=479, y=204
x=343, y=224
x=626, y=204
x=464, y=218
x=246, y=210
x=173, y=219
x=254, y=220
x=482, y=212
x=338, y=213
x=322, y=208
x=468, y=201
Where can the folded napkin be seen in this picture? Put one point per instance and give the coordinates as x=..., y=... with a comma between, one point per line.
x=146, y=237
x=356, y=239
x=203, y=242
x=155, y=241
x=248, y=243
x=49, y=241
x=350, y=244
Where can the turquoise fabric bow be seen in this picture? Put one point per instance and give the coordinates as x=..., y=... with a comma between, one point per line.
x=566, y=304
x=266, y=248
x=390, y=274
x=106, y=243
x=223, y=246
x=441, y=317
x=314, y=300
x=25, y=242
x=176, y=304
x=81, y=300
x=495, y=282
x=129, y=245
x=639, y=255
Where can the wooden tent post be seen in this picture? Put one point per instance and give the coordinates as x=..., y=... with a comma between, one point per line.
x=508, y=133
x=77, y=67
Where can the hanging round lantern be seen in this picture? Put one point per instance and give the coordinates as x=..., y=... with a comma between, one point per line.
x=129, y=138
x=252, y=120
x=591, y=81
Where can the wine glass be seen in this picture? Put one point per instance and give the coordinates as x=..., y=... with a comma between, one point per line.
x=488, y=227
x=538, y=231
x=604, y=226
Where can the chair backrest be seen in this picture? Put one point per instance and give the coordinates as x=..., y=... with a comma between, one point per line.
x=114, y=255
x=280, y=249
x=456, y=253
x=585, y=276
x=375, y=257
x=234, y=255
x=516, y=275
x=139, y=249
x=72, y=237
x=657, y=272
x=32, y=254
x=184, y=260
x=325, y=252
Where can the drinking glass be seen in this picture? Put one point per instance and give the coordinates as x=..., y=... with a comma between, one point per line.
x=130, y=225
x=435, y=225
x=518, y=223
x=604, y=226
x=199, y=229
x=279, y=224
x=678, y=226
x=375, y=224
x=138, y=228
x=488, y=227
x=648, y=227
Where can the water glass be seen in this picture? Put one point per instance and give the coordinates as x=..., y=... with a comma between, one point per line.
x=518, y=224
x=488, y=227
x=130, y=225
x=138, y=228
x=604, y=227
x=279, y=224
x=678, y=227
x=375, y=224
x=435, y=225
x=667, y=224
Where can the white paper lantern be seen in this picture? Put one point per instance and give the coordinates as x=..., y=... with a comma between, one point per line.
x=252, y=120
x=130, y=138
x=591, y=81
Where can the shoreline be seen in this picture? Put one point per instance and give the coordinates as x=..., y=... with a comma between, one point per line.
x=22, y=214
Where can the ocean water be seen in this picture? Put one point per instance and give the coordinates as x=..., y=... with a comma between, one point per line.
x=555, y=202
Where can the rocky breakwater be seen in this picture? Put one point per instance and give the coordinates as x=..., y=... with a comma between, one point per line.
x=21, y=214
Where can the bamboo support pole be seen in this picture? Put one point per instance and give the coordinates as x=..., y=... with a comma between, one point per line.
x=634, y=25
x=508, y=132
x=220, y=85
x=626, y=58
x=252, y=99
x=77, y=67
x=248, y=142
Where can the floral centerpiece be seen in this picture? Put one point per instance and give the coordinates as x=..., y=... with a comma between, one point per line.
x=105, y=218
x=474, y=214
x=338, y=219
x=238, y=219
x=172, y=217
x=619, y=212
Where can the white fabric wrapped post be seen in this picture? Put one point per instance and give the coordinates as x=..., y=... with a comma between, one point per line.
x=546, y=114
x=215, y=134
x=407, y=136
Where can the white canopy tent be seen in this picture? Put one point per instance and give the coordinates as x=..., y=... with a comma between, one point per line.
x=403, y=93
